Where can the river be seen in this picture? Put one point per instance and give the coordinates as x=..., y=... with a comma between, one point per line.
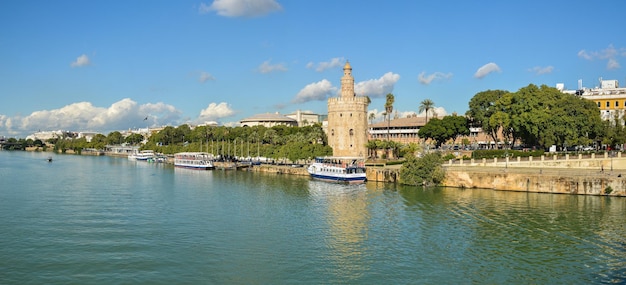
x=107, y=220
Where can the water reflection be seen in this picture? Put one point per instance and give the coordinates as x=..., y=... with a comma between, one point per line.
x=517, y=231
x=348, y=218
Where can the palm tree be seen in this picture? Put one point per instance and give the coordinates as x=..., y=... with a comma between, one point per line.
x=425, y=106
x=372, y=116
x=388, y=110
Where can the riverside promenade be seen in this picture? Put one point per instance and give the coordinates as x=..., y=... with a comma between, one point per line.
x=578, y=174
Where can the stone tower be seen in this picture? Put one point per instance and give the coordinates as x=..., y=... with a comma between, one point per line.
x=347, y=119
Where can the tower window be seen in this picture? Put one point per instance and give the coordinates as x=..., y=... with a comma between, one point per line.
x=351, y=132
x=616, y=103
x=607, y=104
x=599, y=104
x=332, y=132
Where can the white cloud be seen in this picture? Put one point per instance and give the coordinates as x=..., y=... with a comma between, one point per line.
x=334, y=62
x=538, y=70
x=427, y=79
x=80, y=61
x=435, y=112
x=486, y=70
x=83, y=116
x=583, y=53
x=240, y=8
x=205, y=76
x=611, y=54
x=214, y=112
x=266, y=67
x=375, y=88
x=317, y=91
x=612, y=64
x=378, y=114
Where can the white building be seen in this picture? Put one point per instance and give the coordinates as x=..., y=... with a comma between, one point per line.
x=268, y=120
x=305, y=118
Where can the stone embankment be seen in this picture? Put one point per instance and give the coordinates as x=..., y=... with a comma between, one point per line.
x=589, y=175
x=602, y=175
x=540, y=180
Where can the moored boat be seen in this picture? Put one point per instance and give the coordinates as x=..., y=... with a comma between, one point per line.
x=338, y=169
x=194, y=160
x=133, y=155
x=144, y=155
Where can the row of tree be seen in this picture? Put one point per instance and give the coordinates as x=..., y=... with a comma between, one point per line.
x=21, y=144
x=541, y=116
x=537, y=116
x=99, y=141
x=293, y=143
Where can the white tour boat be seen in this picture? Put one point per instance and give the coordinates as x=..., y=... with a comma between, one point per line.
x=194, y=160
x=338, y=169
x=144, y=155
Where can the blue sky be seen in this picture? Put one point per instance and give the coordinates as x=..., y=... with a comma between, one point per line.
x=107, y=65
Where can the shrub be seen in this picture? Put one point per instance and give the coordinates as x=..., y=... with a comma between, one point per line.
x=448, y=157
x=424, y=171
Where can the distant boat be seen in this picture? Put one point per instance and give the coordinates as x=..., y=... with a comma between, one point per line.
x=338, y=169
x=143, y=155
x=133, y=155
x=49, y=159
x=194, y=160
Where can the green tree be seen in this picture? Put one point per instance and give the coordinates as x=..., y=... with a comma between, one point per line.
x=458, y=125
x=133, y=139
x=38, y=143
x=115, y=138
x=182, y=133
x=371, y=148
x=545, y=116
x=388, y=110
x=615, y=133
x=424, y=171
x=442, y=130
x=372, y=117
x=482, y=107
x=98, y=141
x=425, y=106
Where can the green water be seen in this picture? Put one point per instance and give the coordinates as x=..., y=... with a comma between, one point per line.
x=104, y=220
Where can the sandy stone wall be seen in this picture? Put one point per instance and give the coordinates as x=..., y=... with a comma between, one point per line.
x=562, y=181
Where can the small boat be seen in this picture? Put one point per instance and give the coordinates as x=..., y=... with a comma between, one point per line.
x=338, y=169
x=194, y=160
x=133, y=155
x=158, y=158
x=49, y=159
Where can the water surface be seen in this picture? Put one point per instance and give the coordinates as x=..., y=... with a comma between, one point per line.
x=103, y=220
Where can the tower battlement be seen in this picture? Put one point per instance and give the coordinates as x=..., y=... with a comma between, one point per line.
x=361, y=99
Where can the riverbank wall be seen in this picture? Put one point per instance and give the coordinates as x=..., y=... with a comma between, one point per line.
x=556, y=180
x=542, y=180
